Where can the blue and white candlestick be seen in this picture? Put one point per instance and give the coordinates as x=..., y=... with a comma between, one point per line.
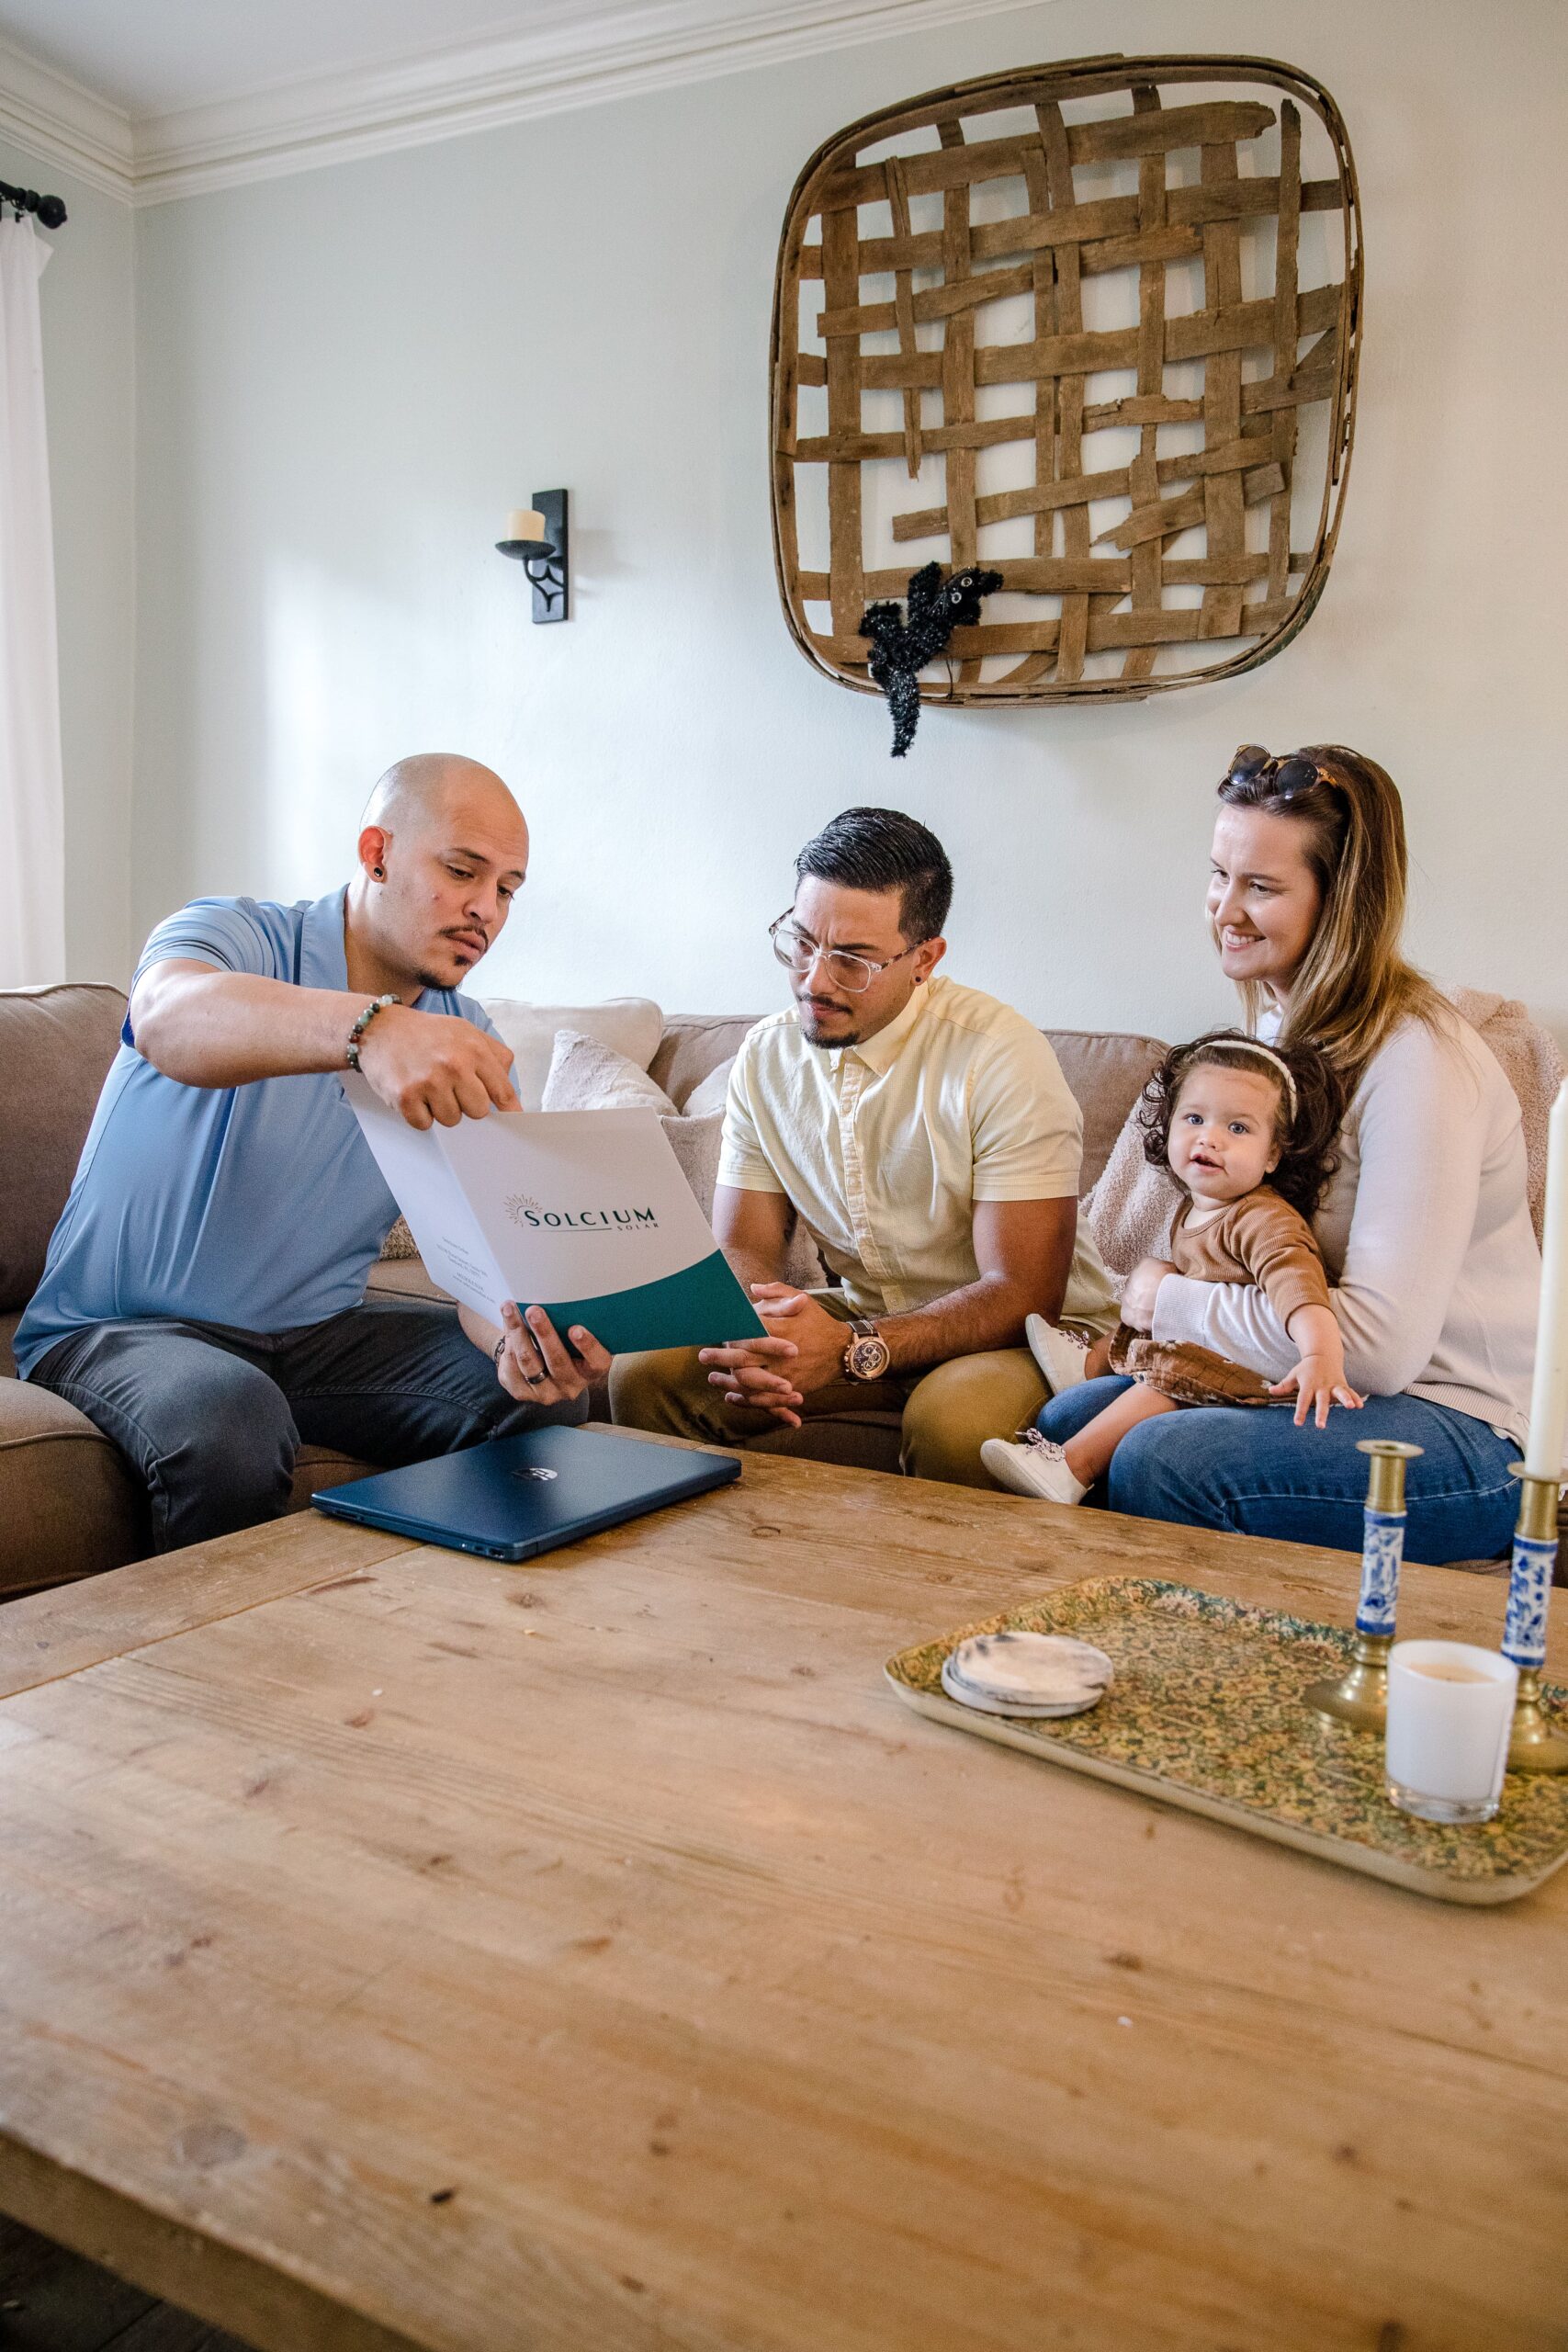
x=1361, y=1696
x=1535, y=1744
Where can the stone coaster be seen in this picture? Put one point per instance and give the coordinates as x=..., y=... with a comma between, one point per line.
x=1206, y=1711
x=1027, y=1674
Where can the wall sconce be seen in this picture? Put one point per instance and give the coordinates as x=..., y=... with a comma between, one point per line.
x=536, y=536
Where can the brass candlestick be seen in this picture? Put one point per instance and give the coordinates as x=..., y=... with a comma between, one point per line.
x=1534, y=1744
x=1361, y=1696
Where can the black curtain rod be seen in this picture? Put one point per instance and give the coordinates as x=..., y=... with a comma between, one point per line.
x=51, y=211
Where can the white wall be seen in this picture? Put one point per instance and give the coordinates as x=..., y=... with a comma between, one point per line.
x=345, y=379
x=85, y=299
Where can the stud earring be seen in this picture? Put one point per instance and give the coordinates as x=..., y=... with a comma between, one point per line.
x=376, y=870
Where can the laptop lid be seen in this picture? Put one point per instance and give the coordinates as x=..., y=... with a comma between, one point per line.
x=517, y=1497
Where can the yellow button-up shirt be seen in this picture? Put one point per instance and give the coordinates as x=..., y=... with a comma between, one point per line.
x=885, y=1147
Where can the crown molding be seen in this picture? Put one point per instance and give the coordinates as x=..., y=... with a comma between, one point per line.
x=59, y=121
x=587, y=55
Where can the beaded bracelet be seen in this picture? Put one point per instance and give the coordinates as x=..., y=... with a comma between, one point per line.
x=360, y=1026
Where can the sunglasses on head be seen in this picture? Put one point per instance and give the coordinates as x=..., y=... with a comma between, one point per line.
x=1285, y=777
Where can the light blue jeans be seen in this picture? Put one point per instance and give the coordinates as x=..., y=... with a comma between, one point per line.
x=1250, y=1470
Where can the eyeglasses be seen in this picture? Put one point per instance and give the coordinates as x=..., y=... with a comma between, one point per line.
x=798, y=952
x=1286, y=777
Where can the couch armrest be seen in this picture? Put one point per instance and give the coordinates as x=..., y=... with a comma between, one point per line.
x=69, y=1506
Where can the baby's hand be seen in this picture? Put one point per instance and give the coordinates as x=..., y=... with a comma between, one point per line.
x=1317, y=1381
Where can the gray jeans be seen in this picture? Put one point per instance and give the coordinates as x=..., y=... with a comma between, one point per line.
x=211, y=1419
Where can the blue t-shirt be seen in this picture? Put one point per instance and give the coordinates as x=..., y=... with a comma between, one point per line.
x=259, y=1207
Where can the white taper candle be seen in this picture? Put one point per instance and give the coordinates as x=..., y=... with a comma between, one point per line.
x=1549, y=1397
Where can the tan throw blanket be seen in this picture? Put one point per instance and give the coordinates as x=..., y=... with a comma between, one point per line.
x=1131, y=1207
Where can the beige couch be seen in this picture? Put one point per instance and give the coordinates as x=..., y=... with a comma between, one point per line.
x=68, y=1506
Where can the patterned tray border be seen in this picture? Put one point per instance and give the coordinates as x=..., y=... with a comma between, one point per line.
x=1293, y=1779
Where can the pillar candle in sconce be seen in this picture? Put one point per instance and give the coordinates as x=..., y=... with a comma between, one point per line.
x=536, y=536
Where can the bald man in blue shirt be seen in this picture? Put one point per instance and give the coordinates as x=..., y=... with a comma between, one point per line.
x=203, y=1302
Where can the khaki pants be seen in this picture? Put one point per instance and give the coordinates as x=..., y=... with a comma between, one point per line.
x=948, y=1412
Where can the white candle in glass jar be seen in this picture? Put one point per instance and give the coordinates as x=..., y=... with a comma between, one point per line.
x=1451, y=1708
x=1549, y=1395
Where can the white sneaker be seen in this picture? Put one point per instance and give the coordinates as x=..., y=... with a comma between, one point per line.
x=1061, y=1355
x=1031, y=1465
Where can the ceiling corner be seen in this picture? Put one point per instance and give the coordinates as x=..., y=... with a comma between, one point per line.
x=62, y=122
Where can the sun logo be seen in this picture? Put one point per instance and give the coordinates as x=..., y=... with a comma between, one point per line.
x=518, y=1205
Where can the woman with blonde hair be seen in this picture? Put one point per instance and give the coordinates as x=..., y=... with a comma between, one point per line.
x=1424, y=1228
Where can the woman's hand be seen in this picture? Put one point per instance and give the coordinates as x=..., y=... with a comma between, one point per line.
x=1140, y=1290
x=535, y=1368
x=1317, y=1381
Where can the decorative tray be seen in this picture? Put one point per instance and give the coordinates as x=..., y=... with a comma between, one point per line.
x=1206, y=1713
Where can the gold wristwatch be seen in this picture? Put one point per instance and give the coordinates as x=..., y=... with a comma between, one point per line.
x=866, y=1353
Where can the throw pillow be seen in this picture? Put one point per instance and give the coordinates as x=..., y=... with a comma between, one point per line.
x=586, y=1074
x=695, y=1144
x=633, y=1025
x=710, y=1093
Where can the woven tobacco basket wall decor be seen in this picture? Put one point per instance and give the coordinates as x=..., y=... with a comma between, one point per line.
x=1094, y=326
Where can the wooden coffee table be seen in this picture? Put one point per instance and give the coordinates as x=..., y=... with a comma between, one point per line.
x=400, y=1950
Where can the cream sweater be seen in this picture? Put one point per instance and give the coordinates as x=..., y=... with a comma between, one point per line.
x=1425, y=1233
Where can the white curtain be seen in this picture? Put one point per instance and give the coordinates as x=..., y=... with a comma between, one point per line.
x=32, y=791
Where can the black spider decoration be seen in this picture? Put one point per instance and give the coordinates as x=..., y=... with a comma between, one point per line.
x=900, y=647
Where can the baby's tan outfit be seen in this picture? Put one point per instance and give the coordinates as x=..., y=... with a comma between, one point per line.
x=1259, y=1239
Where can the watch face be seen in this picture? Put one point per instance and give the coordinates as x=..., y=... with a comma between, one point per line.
x=867, y=1358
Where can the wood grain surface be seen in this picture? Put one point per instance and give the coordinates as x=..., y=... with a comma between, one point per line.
x=411, y=1951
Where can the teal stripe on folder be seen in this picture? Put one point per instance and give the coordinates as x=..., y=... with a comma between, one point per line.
x=699, y=1307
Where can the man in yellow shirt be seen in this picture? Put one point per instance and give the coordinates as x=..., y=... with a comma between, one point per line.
x=924, y=1134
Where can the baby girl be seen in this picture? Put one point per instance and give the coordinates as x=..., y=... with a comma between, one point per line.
x=1247, y=1131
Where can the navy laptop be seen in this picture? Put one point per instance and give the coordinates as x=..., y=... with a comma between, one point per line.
x=519, y=1496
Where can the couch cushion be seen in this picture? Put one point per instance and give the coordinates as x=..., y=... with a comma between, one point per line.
x=402, y=1278
x=56, y=1045
x=69, y=1505
x=1532, y=1065
x=1107, y=1069
x=321, y=1465
x=695, y=1043
x=867, y=1440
